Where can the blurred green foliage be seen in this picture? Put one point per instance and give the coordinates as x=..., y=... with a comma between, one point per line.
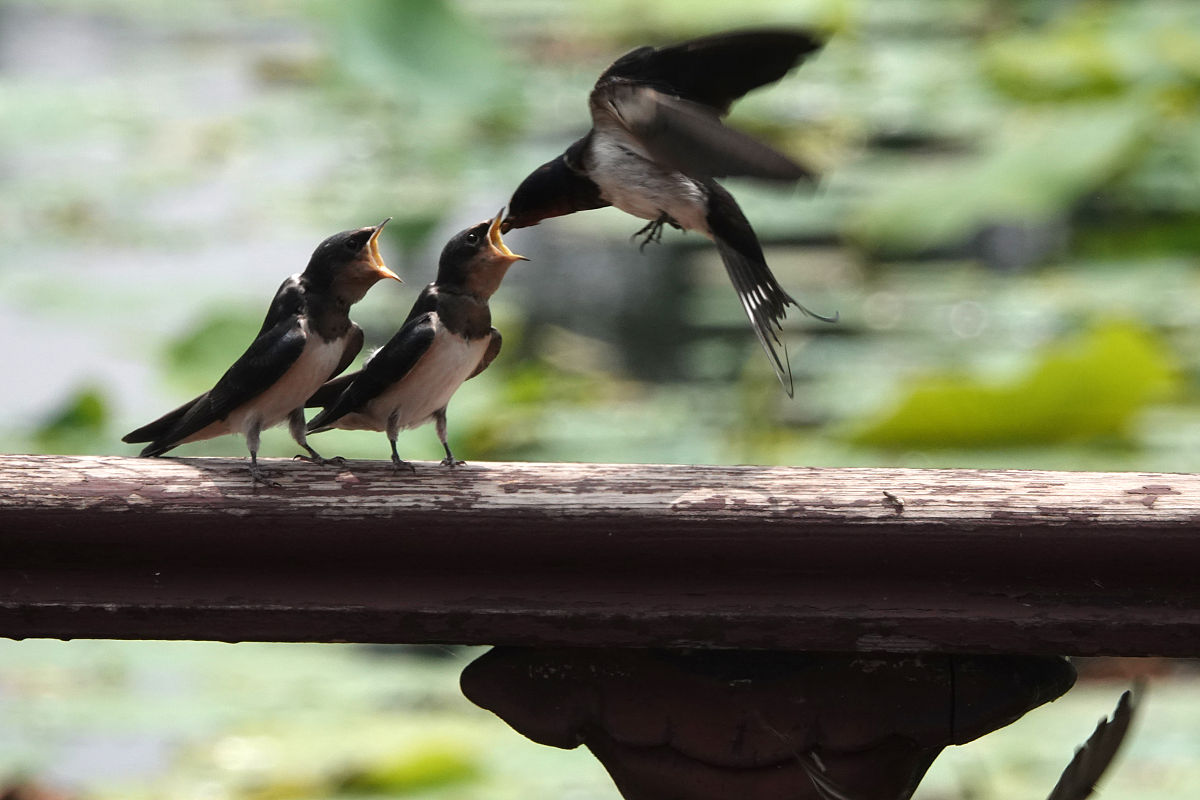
x=1040, y=166
x=1088, y=389
x=79, y=426
x=1032, y=166
x=168, y=137
x=431, y=766
x=198, y=357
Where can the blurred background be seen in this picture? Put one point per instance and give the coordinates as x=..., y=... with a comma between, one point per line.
x=1008, y=224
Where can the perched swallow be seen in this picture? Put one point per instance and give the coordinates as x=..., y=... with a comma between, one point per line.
x=656, y=145
x=447, y=338
x=306, y=339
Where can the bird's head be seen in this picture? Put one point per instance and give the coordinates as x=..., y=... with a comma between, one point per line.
x=546, y=192
x=349, y=263
x=476, y=260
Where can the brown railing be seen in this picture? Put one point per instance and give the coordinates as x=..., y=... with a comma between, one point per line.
x=843, y=560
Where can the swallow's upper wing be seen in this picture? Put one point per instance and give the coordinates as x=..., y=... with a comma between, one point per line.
x=289, y=301
x=426, y=301
x=390, y=364
x=690, y=137
x=715, y=70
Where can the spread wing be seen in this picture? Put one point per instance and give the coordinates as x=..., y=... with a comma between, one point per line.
x=715, y=70
x=390, y=364
x=690, y=137
x=671, y=99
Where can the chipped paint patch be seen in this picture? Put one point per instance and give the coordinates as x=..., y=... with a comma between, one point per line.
x=719, y=499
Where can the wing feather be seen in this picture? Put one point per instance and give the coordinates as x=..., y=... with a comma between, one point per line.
x=269, y=356
x=389, y=364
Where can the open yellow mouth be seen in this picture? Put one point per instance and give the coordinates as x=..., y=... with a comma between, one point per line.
x=375, y=258
x=497, y=243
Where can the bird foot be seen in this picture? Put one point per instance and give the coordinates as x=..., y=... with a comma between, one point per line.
x=451, y=461
x=399, y=464
x=652, y=230
x=336, y=461
x=259, y=475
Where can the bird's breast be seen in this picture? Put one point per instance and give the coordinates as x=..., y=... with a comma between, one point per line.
x=633, y=182
x=431, y=382
x=316, y=363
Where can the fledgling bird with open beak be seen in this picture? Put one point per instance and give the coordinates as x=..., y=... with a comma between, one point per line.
x=447, y=339
x=306, y=339
x=657, y=144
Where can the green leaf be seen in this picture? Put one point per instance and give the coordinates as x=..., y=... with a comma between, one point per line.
x=433, y=766
x=198, y=358
x=78, y=426
x=1042, y=164
x=1087, y=389
x=424, y=50
x=1066, y=66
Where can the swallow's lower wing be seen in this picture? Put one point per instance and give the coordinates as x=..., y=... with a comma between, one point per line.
x=489, y=355
x=389, y=364
x=354, y=343
x=266, y=360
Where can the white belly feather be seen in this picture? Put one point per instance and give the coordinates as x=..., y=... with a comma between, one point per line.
x=637, y=185
x=315, y=365
x=428, y=386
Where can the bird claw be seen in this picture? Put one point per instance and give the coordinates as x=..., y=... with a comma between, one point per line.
x=336, y=461
x=450, y=461
x=652, y=231
x=399, y=464
x=258, y=476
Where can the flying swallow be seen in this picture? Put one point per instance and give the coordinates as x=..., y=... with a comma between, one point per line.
x=656, y=146
x=306, y=339
x=447, y=339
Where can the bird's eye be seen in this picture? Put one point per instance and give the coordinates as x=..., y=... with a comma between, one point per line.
x=472, y=238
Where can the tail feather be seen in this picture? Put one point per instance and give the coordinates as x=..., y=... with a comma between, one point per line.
x=764, y=307
x=158, y=433
x=763, y=299
x=326, y=398
x=330, y=391
x=321, y=422
x=155, y=449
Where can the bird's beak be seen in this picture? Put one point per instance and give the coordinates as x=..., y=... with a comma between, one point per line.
x=375, y=258
x=499, y=248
